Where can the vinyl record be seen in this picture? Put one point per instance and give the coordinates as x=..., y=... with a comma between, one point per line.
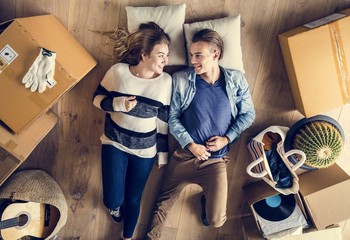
x=275, y=208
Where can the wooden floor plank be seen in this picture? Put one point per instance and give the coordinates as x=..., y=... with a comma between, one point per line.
x=71, y=151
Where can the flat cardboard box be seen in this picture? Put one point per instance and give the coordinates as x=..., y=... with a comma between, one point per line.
x=15, y=149
x=20, y=43
x=317, y=60
x=325, y=194
x=260, y=190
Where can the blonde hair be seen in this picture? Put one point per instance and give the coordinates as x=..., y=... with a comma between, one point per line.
x=128, y=47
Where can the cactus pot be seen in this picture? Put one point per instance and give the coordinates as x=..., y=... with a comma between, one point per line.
x=320, y=137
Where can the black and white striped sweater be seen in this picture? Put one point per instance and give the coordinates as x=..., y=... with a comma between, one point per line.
x=143, y=131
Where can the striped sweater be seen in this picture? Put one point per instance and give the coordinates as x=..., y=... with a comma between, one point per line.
x=143, y=131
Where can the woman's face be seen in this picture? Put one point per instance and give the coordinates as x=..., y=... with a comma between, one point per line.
x=157, y=59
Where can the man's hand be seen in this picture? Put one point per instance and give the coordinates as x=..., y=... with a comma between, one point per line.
x=216, y=143
x=200, y=151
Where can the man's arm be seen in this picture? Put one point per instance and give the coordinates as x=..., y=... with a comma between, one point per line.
x=246, y=113
x=176, y=127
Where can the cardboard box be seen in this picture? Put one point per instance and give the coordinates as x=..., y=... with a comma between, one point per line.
x=325, y=194
x=15, y=149
x=324, y=198
x=333, y=233
x=20, y=43
x=260, y=190
x=249, y=229
x=317, y=60
x=251, y=233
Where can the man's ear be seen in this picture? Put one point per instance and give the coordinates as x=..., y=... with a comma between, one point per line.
x=216, y=54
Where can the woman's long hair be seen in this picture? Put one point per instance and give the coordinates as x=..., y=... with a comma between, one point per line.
x=129, y=47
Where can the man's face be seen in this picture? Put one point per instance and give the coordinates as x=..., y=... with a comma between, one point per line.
x=203, y=57
x=158, y=58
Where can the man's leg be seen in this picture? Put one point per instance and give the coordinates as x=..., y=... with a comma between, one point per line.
x=212, y=177
x=180, y=168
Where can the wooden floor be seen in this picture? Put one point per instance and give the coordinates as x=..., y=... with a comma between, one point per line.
x=71, y=152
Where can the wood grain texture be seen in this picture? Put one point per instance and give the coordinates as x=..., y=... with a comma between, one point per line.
x=71, y=152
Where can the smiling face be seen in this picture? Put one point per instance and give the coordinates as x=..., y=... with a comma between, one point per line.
x=158, y=58
x=204, y=57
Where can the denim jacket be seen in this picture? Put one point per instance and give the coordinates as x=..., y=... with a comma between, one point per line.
x=184, y=89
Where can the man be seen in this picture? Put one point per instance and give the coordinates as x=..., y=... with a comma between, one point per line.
x=210, y=107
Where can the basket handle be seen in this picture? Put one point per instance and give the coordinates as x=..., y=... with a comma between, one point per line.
x=299, y=163
x=252, y=165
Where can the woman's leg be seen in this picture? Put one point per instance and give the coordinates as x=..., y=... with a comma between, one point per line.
x=114, y=165
x=136, y=177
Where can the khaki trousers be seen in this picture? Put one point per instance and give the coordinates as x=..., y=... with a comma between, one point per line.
x=184, y=169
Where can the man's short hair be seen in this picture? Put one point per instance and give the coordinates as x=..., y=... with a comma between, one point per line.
x=210, y=36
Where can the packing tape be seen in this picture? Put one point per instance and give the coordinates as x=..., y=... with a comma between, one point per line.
x=10, y=145
x=340, y=58
x=37, y=100
x=3, y=64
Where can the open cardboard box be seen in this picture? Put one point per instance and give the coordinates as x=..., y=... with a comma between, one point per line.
x=323, y=197
x=317, y=60
x=325, y=194
x=260, y=190
x=20, y=43
x=15, y=149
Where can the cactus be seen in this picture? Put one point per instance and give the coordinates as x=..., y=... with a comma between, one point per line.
x=321, y=142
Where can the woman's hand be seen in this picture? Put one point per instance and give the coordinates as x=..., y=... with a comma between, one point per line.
x=130, y=103
x=160, y=165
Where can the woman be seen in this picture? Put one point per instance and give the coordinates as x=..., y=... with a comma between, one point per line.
x=135, y=94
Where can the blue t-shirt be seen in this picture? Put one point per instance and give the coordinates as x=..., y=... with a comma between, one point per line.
x=209, y=113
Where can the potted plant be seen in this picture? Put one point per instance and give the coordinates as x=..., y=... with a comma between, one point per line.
x=321, y=138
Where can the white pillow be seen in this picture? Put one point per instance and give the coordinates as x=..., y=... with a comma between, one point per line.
x=170, y=18
x=230, y=30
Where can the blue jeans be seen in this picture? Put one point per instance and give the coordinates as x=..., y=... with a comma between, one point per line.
x=123, y=178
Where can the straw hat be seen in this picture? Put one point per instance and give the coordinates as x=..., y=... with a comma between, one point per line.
x=36, y=186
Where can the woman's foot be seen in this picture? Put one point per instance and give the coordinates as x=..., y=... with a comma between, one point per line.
x=117, y=215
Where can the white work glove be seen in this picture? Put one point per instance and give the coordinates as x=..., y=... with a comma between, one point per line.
x=41, y=71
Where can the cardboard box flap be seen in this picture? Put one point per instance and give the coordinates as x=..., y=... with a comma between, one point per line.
x=257, y=191
x=320, y=179
x=20, y=146
x=329, y=206
x=326, y=195
x=51, y=34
